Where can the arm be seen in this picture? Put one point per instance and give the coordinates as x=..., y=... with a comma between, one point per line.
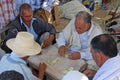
x=42, y=69
x=89, y=72
x=61, y=44
x=43, y=28
x=65, y=37
x=48, y=41
x=83, y=54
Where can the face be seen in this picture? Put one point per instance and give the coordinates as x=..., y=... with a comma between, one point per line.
x=81, y=26
x=96, y=57
x=26, y=16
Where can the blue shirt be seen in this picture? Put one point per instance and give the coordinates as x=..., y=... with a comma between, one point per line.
x=30, y=29
x=9, y=62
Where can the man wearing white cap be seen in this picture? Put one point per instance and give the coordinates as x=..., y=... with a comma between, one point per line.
x=75, y=75
x=22, y=47
x=105, y=53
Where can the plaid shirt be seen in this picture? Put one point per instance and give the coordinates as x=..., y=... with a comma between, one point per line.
x=7, y=11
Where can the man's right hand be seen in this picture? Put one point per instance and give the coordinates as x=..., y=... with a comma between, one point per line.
x=62, y=50
x=89, y=72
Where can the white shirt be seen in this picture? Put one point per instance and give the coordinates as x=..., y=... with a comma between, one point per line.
x=83, y=40
x=110, y=70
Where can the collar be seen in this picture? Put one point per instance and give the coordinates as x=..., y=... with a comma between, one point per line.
x=90, y=30
x=111, y=60
x=16, y=59
x=21, y=21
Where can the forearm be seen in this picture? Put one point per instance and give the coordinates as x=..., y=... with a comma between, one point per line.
x=51, y=37
x=42, y=69
x=41, y=75
x=61, y=40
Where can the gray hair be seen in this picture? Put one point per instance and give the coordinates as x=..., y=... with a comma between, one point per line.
x=85, y=15
x=25, y=7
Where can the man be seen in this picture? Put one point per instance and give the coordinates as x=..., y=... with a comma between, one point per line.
x=26, y=22
x=77, y=36
x=74, y=75
x=22, y=47
x=11, y=75
x=105, y=54
x=7, y=12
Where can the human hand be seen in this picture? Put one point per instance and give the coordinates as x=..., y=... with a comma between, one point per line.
x=62, y=50
x=46, y=43
x=42, y=68
x=74, y=56
x=89, y=72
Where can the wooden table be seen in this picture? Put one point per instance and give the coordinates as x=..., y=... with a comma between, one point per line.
x=57, y=66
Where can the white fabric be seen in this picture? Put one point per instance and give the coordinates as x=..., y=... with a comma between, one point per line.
x=71, y=38
x=70, y=9
x=9, y=63
x=24, y=44
x=74, y=75
x=110, y=70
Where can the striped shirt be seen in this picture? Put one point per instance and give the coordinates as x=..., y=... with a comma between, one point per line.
x=7, y=11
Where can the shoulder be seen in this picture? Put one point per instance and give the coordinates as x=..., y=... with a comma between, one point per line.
x=96, y=26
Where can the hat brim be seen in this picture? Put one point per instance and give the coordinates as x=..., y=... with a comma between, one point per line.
x=35, y=49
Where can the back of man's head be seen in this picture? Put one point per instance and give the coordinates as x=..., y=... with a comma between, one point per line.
x=11, y=75
x=106, y=44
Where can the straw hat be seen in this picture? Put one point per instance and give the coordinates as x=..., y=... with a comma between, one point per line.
x=24, y=44
x=74, y=75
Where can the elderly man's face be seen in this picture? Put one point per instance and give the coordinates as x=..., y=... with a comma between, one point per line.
x=27, y=16
x=81, y=26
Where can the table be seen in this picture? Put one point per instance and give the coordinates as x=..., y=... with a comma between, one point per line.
x=57, y=66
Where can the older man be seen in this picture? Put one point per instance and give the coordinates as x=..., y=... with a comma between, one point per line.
x=22, y=47
x=77, y=35
x=105, y=53
x=36, y=26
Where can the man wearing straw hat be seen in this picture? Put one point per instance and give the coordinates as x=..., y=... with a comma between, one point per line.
x=22, y=47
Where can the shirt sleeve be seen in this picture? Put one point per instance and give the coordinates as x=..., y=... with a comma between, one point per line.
x=61, y=40
x=86, y=54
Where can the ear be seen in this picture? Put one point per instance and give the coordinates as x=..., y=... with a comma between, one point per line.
x=99, y=56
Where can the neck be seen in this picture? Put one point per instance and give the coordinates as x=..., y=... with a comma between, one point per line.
x=28, y=24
